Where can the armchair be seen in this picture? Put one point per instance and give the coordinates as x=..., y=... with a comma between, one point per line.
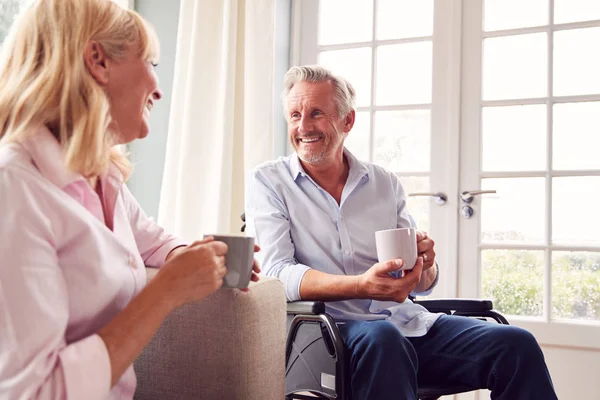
x=230, y=346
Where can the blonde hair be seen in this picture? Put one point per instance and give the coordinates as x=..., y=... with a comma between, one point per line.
x=45, y=81
x=345, y=96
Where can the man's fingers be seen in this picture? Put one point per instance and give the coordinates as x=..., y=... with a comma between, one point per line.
x=421, y=236
x=256, y=248
x=422, y=246
x=415, y=273
x=389, y=266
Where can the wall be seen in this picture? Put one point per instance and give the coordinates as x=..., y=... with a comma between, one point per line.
x=149, y=154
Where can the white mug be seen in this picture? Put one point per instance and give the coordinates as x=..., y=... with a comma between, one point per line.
x=397, y=243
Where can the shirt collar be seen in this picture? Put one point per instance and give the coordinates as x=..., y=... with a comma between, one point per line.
x=357, y=168
x=49, y=158
x=295, y=167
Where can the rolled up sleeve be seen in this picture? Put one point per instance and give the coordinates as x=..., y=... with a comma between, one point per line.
x=154, y=244
x=86, y=367
x=35, y=360
x=268, y=221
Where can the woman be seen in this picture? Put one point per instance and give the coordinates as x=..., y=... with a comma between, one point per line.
x=77, y=79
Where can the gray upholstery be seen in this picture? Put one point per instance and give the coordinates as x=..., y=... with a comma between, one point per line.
x=228, y=346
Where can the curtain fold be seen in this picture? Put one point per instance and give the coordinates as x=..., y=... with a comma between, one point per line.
x=221, y=120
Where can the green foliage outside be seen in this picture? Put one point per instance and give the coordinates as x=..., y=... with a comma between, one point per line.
x=514, y=279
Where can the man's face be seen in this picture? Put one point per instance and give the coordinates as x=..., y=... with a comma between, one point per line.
x=315, y=129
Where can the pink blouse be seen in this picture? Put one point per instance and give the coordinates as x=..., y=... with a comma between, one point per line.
x=64, y=274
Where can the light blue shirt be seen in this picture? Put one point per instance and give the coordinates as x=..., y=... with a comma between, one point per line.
x=300, y=226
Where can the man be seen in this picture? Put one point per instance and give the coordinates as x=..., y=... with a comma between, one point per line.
x=315, y=214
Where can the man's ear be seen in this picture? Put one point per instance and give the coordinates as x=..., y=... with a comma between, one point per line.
x=349, y=121
x=96, y=62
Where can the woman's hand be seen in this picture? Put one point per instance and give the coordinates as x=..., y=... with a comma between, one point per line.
x=255, y=269
x=193, y=272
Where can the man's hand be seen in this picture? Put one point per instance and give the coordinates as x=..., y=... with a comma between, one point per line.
x=425, y=249
x=377, y=284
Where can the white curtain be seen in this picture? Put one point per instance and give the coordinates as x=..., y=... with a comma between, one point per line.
x=221, y=121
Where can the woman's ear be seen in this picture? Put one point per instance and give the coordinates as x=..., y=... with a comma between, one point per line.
x=96, y=62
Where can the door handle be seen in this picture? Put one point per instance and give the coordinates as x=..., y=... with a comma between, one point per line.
x=440, y=198
x=468, y=196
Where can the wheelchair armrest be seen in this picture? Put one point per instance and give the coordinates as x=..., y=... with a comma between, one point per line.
x=306, y=307
x=461, y=305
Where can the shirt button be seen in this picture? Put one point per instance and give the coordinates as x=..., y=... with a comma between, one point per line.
x=347, y=252
x=132, y=262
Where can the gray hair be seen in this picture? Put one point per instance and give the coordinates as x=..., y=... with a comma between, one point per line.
x=345, y=96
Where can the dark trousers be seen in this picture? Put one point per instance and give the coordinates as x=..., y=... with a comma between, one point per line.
x=456, y=351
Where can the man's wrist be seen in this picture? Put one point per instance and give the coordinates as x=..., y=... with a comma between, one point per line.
x=357, y=287
x=434, y=275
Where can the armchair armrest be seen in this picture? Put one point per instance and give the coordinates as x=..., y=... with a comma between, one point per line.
x=462, y=305
x=306, y=307
x=207, y=349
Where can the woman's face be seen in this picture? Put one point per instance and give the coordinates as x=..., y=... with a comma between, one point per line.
x=132, y=90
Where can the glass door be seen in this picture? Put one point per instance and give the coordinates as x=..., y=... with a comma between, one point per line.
x=402, y=59
x=530, y=124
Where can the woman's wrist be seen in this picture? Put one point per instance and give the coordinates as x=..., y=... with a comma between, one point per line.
x=165, y=295
x=174, y=252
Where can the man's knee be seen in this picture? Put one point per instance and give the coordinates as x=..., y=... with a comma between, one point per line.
x=517, y=342
x=519, y=338
x=384, y=339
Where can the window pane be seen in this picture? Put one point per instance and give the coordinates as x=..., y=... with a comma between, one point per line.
x=516, y=214
x=418, y=207
x=8, y=10
x=345, y=21
x=515, y=67
x=404, y=74
x=403, y=140
x=576, y=62
x=511, y=14
x=576, y=142
x=514, y=138
x=576, y=285
x=354, y=65
x=514, y=280
x=358, y=138
x=576, y=10
x=575, y=211
x=399, y=19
